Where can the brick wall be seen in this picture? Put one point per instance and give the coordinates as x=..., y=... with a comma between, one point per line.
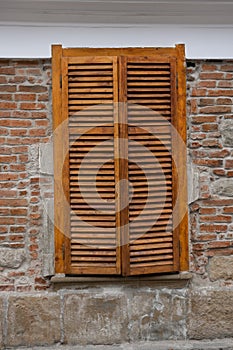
x=25, y=123
x=210, y=142
x=176, y=310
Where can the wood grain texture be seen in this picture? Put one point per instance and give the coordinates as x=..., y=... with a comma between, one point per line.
x=61, y=177
x=150, y=86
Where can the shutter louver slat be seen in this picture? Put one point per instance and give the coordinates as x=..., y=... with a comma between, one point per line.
x=91, y=156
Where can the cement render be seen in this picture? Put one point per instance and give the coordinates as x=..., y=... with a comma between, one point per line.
x=218, y=344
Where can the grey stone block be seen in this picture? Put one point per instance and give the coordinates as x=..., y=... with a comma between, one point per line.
x=223, y=187
x=157, y=315
x=33, y=320
x=193, y=183
x=211, y=314
x=227, y=132
x=11, y=258
x=46, y=158
x=1, y=322
x=220, y=267
x=92, y=318
x=48, y=238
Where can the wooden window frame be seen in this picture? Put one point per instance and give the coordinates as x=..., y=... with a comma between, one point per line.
x=61, y=178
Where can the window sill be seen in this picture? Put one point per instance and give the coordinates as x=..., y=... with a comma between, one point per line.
x=178, y=280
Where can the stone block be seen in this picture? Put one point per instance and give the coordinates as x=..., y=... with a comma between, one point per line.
x=223, y=187
x=227, y=132
x=48, y=238
x=46, y=158
x=1, y=322
x=33, y=320
x=157, y=315
x=11, y=258
x=193, y=183
x=95, y=318
x=210, y=315
x=220, y=267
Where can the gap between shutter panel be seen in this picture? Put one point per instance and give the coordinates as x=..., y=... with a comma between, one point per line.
x=149, y=95
x=92, y=92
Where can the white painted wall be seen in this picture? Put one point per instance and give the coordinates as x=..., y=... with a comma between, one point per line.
x=27, y=40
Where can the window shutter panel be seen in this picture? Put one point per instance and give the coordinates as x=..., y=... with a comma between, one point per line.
x=90, y=91
x=150, y=87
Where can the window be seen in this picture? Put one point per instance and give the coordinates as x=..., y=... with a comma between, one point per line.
x=120, y=160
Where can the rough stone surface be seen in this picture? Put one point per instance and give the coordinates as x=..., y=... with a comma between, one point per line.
x=157, y=315
x=46, y=158
x=33, y=320
x=221, y=267
x=11, y=258
x=95, y=318
x=1, y=322
x=223, y=344
x=223, y=187
x=211, y=314
x=193, y=183
x=227, y=132
x=48, y=238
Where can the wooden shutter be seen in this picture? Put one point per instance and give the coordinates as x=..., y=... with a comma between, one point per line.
x=118, y=106
x=89, y=90
x=150, y=92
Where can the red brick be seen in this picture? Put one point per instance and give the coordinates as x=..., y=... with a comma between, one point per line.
x=206, y=84
x=7, y=70
x=209, y=127
x=209, y=67
x=228, y=210
x=8, y=105
x=208, y=162
x=17, y=229
x=18, y=132
x=211, y=143
x=213, y=76
x=219, y=154
x=227, y=67
x=207, y=210
x=216, y=218
x=229, y=164
x=37, y=132
x=224, y=101
x=207, y=237
x=18, y=212
x=8, y=159
x=219, y=172
x=7, y=221
x=220, y=244
x=6, y=97
x=225, y=84
x=198, y=92
x=15, y=122
x=213, y=228
x=8, y=88
x=25, y=97
x=34, y=88
x=204, y=119
x=216, y=109
x=217, y=202
x=8, y=176
x=32, y=106
x=220, y=92
x=13, y=202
